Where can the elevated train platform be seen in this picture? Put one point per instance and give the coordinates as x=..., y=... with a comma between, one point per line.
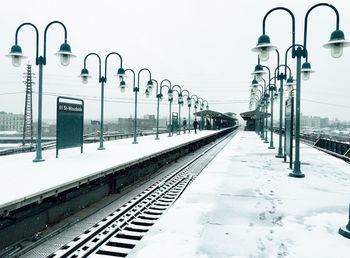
x=244, y=204
x=40, y=194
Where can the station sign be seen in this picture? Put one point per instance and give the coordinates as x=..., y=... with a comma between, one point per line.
x=69, y=124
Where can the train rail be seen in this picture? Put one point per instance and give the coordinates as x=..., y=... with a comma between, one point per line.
x=117, y=234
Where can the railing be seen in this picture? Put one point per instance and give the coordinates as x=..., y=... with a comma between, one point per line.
x=335, y=147
x=88, y=138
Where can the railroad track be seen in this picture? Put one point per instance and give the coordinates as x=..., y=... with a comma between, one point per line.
x=118, y=233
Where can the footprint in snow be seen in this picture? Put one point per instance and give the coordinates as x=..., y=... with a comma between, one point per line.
x=261, y=245
x=277, y=221
x=273, y=209
x=282, y=251
x=262, y=216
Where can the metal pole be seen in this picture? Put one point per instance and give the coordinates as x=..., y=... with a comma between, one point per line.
x=266, y=110
x=135, y=121
x=261, y=123
x=157, y=134
x=202, y=121
x=169, y=119
x=271, y=123
x=280, y=153
x=297, y=171
x=179, y=125
x=189, y=119
x=101, y=122
x=38, y=157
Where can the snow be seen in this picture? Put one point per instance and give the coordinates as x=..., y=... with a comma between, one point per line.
x=21, y=178
x=244, y=205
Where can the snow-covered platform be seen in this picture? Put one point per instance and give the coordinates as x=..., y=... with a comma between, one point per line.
x=244, y=204
x=23, y=181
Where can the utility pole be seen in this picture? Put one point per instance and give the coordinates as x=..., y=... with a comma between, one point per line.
x=28, y=107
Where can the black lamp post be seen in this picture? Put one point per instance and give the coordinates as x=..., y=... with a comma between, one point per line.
x=159, y=96
x=336, y=43
x=136, y=89
x=16, y=56
x=103, y=79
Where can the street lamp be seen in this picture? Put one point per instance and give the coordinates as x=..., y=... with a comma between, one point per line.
x=186, y=93
x=272, y=89
x=159, y=96
x=136, y=89
x=254, y=99
x=282, y=76
x=258, y=72
x=255, y=89
x=103, y=79
x=195, y=98
x=180, y=103
x=337, y=42
x=265, y=99
x=306, y=71
x=16, y=56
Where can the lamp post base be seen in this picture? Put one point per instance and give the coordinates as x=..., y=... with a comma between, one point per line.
x=134, y=142
x=297, y=175
x=281, y=156
x=266, y=141
x=38, y=160
x=101, y=148
x=344, y=232
x=157, y=138
x=272, y=147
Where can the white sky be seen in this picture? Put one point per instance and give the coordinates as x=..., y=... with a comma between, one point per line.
x=202, y=45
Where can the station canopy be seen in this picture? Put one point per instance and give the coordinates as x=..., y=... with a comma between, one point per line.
x=215, y=115
x=253, y=113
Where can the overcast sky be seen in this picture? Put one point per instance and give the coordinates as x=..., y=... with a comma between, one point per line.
x=202, y=45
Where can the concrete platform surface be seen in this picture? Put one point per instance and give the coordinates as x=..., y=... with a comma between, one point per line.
x=244, y=204
x=21, y=179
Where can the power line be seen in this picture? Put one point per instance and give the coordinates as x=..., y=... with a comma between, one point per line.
x=12, y=93
x=325, y=103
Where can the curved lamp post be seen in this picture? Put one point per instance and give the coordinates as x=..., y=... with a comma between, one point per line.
x=103, y=79
x=16, y=56
x=186, y=93
x=254, y=99
x=159, y=96
x=201, y=106
x=258, y=74
x=272, y=89
x=336, y=43
x=282, y=76
x=265, y=105
x=195, y=98
x=262, y=105
x=255, y=89
x=180, y=102
x=136, y=89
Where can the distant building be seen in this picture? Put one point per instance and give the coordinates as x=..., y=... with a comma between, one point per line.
x=11, y=122
x=324, y=122
x=148, y=122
